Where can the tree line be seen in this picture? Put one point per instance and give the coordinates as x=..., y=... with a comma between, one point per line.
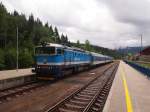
x=31, y=32
x=97, y=49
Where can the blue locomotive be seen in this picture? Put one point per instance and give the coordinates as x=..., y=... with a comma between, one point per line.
x=55, y=60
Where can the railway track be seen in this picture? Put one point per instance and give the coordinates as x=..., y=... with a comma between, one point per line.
x=91, y=97
x=11, y=93
x=8, y=94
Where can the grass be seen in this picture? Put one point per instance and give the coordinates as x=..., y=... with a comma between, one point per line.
x=146, y=65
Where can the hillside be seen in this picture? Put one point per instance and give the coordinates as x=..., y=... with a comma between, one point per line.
x=31, y=32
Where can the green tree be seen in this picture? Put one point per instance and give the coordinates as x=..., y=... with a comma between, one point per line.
x=31, y=33
x=10, y=58
x=78, y=44
x=3, y=24
x=25, y=58
x=2, y=59
x=87, y=45
x=46, y=25
x=31, y=23
x=56, y=35
x=66, y=40
x=51, y=34
x=63, y=39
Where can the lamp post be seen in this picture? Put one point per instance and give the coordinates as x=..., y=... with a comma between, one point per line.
x=17, y=51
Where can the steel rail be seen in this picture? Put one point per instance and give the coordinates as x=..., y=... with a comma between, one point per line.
x=56, y=107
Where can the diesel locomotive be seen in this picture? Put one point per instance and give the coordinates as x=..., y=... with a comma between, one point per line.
x=55, y=60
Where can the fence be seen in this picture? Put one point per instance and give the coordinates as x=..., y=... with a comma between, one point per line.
x=145, y=71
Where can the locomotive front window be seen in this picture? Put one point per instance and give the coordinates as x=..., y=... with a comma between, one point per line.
x=60, y=51
x=45, y=50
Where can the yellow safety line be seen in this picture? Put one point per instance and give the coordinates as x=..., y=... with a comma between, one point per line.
x=127, y=95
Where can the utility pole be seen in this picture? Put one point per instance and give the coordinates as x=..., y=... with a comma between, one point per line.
x=17, y=51
x=5, y=38
x=127, y=54
x=141, y=44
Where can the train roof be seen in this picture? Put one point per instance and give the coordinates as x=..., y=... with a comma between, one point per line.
x=73, y=48
x=51, y=45
x=100, y=55
x=63, y=46
x=97, y=54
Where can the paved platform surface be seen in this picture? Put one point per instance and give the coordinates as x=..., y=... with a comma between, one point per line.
x=130, y=91
x=7, y=74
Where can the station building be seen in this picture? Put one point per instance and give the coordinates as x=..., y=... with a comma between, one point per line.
x=145, y=54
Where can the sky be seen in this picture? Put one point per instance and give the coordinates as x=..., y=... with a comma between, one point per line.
x=106, y=23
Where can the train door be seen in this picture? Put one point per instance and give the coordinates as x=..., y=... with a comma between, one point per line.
x=70, y=58
x=92, y=59
x=65, y=57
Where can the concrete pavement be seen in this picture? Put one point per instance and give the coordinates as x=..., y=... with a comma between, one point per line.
x=130, y=91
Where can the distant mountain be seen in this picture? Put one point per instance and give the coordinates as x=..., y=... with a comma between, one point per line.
x=129, y=50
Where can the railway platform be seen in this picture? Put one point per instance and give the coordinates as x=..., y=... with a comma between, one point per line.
x=10, y=78
x=130, y=91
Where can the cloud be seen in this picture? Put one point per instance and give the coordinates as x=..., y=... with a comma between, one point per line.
x=135, y=12
x=130, y=11
x=105, y=23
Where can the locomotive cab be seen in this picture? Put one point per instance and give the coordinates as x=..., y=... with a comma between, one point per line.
x=48, y=59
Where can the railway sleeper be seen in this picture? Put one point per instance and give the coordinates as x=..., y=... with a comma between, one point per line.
x=99, y=100
x=95, y=109
x=103, y=95
x=98, y=104
x=85, y=95
x=10, y=91
x=77, y=102
x=3, y=93
x=17, y=95
x=88, y=93
x=82, y=99
x=71, y=106
x=93, y=88
x=106, y=90
x=66, y=110
x=90, y=90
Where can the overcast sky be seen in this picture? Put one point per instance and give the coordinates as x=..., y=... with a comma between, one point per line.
x=107, y=23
